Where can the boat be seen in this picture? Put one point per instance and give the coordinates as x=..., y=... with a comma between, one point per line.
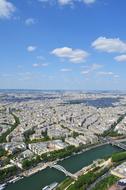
x=51, y=186
x=2, y=186
x=15, y=179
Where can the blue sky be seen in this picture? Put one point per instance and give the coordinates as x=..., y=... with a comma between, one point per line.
x=63, y=44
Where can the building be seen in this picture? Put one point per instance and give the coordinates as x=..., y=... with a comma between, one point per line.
x=120, y=171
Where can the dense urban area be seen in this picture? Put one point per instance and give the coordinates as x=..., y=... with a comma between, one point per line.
x=40, y=128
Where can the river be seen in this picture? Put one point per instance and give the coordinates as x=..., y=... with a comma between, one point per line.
x=72, y=164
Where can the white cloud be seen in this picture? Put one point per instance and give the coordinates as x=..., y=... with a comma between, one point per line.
x=25, y=73
x=109, y=45
x=108, y=74
x=68, y=2
x=120, y=58
x=35, y=65
x=40, y=65
x=30, y=21
x=73, y=55
x=85, y=72
x=96, y=66
x=40, y=57
x=19, y=66
x=116, y=76
x=89, y=1
x=104, y=73
x=65, y=2
x=91, y=68
x=25, y=76
x=43, y=1
x=6, y=75
x=6, y=9
x=31, y=48
x=65, y=70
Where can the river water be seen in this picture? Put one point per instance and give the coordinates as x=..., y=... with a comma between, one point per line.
x=72, y=164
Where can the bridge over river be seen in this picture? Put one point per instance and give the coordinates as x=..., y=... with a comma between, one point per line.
x=62, y=169
x=118, y=144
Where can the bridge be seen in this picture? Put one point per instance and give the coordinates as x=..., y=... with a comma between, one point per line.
x=62, y=169
x=118, y=144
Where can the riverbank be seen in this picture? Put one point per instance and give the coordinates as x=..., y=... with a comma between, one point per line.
x=34, y=170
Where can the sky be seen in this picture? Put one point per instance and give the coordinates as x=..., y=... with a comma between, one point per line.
x=63, y=44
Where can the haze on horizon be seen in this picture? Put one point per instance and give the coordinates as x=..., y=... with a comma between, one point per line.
x=63, y=44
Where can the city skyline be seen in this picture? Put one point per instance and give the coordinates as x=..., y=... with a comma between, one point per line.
x=62, y=44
